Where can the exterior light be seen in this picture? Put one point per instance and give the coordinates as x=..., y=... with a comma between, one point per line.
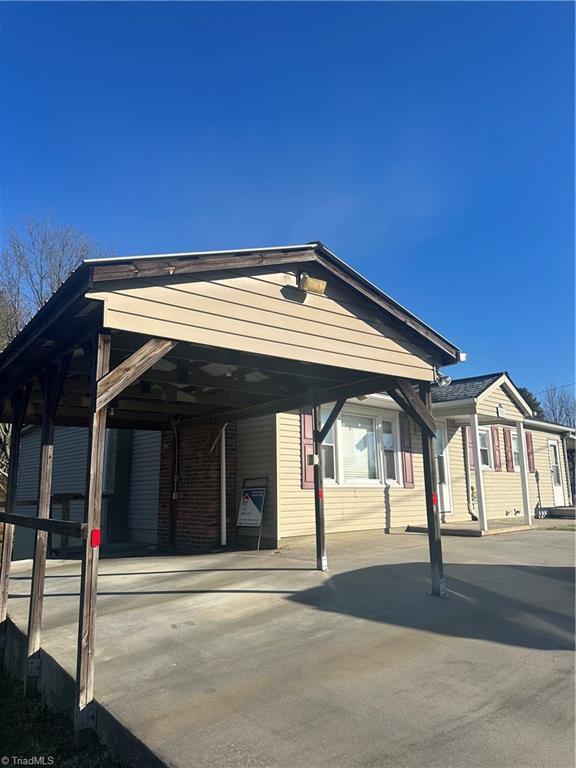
x=442, y=380
x=311, y=284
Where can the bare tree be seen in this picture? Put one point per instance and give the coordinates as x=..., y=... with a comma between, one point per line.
x=38, y=256
x=559, y=404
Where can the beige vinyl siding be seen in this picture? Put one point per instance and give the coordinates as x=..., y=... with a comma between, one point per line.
x=256, y=458
x=263, y=313
x=346, y=508
x=488, y=403
x=456, y=460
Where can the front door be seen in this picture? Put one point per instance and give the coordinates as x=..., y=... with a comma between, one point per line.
x=555, y=471
x=442, y=469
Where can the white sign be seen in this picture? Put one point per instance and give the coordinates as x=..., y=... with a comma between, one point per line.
x=251, y=507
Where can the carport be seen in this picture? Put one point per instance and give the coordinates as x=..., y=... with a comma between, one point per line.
x=202, y=339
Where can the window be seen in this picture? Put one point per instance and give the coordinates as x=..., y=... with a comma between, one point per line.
x=358, y=448
x=515, y=451
x=328, y=447
x=485, y=454
x=388, y=451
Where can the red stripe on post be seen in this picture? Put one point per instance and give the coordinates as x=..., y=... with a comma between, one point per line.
x=95, y=537
x=435, y=499
x=321, y=494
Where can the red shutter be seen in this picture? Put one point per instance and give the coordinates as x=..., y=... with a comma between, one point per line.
x=496, y=449
x=530, y=452
x=508, y=450
x=406, y=448
x=470, y=447
x=307, y=449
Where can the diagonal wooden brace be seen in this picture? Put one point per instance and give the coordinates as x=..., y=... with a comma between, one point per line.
x=115, y=382
x=402, y=393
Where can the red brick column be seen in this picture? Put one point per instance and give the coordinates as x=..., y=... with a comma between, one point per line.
x=196, y=511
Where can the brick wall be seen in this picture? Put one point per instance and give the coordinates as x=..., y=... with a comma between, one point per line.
x=197, y=508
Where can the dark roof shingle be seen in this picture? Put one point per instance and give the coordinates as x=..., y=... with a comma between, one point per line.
x=464, y=389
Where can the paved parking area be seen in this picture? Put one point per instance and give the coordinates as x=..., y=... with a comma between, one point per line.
x=253, y=660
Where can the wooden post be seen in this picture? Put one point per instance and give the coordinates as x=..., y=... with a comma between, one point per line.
x=321, y=557
x=19, y=402
x=431, y=491
x=51, y=384
x=83, y=720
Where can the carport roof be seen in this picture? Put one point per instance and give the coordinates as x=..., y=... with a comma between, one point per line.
x=70, y=295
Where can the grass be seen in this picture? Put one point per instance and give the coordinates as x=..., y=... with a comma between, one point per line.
x=28, y=729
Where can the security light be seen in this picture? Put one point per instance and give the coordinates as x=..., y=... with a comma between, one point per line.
x=442, y=380
x=311, y=284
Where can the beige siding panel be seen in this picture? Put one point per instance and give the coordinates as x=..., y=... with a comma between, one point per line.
x=256, y=458
x=235, y=294
x=346, y=508
x=488, y=403
x=189, y=311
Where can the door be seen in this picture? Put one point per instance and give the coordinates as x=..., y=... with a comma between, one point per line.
x=442, y=469
x=556, y=472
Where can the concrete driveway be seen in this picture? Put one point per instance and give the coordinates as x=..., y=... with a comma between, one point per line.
x=253, y=660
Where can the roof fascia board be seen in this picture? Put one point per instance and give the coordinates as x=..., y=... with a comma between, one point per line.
x=70, y=291
x=183, y=254
x=451, y=353
x=165, y=267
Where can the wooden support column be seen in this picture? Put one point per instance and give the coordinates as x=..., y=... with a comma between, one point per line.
x=51, y=384
x=19, y=402
x=321, y=557
x=84, y=710
x=319, y=433
x=524, y=472
x=431, y=491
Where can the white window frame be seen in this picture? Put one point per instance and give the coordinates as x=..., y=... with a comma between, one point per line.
x=378, y=416
x=487, y=432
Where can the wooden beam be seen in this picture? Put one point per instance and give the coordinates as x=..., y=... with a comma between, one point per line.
x=365, y=386
x=51, y=384
x=112, y=384
x=333, y=415
x=431, y=492
x=403, y=394
x=183, y=264
x=83, y=719
x=64, y=527
x=19, y=401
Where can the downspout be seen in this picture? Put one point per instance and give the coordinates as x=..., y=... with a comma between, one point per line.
x=223, y=486
x=174, y=494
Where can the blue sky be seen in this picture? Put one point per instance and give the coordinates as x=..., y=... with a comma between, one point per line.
x=430, y=145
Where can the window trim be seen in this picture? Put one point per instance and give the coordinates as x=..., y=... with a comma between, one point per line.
x=487, y=432
x=377, y=415
x=514, y=439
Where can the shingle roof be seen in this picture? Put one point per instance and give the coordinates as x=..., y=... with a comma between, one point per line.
x=464, y=389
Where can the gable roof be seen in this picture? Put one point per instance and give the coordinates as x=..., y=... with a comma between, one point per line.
x=70, y=298
x=474, y=387
x=464, y=389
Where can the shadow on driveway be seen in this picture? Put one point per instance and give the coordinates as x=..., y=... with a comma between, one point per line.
x=525, y=606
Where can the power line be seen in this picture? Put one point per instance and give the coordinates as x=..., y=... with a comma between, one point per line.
x=553, y=389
